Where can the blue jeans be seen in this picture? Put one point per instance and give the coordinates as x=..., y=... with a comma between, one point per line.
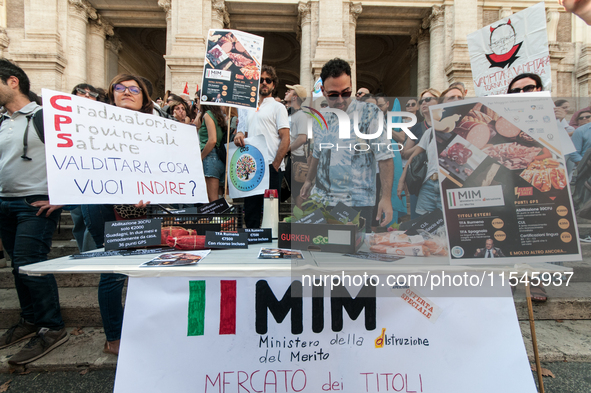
x=429, y=197
x=83, y=238
x=27, y=239
x=110, y=290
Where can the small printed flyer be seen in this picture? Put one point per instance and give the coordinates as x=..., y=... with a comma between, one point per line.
x=280, y=253
x=177, y=259
x=232, y=69
x=504, y=187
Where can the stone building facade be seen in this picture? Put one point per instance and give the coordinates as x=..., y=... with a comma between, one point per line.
x=396, y=47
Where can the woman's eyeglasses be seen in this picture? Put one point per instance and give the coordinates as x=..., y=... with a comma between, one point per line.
x=525, y=89
x=344, y=94
x=119, y=88
x=85, y=92
x=426, y=99
x=411, y=104
x=584, y=117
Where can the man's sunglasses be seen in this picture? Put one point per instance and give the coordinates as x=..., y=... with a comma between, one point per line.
x=267, y=80
x=344, y=94
x=411, y=104
x=525, y=89
x=426, y=99
x=119, y=88
x=584, y=117
x=85, y=92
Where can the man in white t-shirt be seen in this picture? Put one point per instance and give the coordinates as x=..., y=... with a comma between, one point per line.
x=298, y=127
x=271, y=121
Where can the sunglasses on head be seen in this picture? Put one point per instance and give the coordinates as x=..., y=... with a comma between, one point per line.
x=119, y=88
x=584, y=117
x=85, y=92
x=426, y=99
x=525, y=89
x=411, y=104
x=344, y=94
x=267, y=80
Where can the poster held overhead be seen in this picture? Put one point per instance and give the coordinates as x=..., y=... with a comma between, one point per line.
x=511, y=46
x=98, y=153
x=232, y=69
x=504, y=189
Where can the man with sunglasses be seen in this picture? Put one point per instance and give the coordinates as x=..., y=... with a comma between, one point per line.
x=27, y=220
x=343, y=173
x=525, y=83
x=361, y=94
x=271, y=121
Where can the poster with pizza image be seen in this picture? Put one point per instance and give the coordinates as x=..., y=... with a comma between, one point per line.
x=504, y=186
x=232, y=69
x=511, y=46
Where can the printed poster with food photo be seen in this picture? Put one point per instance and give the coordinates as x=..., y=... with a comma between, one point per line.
x=504, y=187
x=511, y=46
x=232, y=69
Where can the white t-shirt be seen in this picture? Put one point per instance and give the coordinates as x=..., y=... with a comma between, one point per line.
x=431, y=148
x=298, y=123
x=267, y=121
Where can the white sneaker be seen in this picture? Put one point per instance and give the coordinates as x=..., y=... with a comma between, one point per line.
x=586, y=239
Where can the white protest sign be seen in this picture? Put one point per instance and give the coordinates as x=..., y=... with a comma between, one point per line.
x=99, y=153
x=239, y=335
x=248, y=172
x=514, y=45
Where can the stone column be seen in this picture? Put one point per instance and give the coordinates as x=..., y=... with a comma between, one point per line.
x=78, y=13
x=464, y=21
x=97, y=67
x=552, y=17
x=583, y=63
x=505, y=12
x=4, y=40
x=437, y=78
x=165, y=4
x=305, y=22
x=112, y=48
x=39, y=51
x=220, y=16
x=188, y=42
x=423, y=62
x=330, y=43
x=354, y=12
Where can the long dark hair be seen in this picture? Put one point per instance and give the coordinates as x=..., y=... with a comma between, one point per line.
x=217, y=113
x=147, y=104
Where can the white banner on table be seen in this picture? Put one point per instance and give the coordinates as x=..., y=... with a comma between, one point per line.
x=248, y=172
x=511, y=46
x=183, y=334
x=99, y=153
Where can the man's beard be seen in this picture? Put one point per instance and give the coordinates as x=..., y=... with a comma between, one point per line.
x=270, y=91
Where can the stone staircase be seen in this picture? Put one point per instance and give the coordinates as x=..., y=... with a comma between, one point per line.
x=78, y=297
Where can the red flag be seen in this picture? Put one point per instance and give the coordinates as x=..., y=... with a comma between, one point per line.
x=197, y=88
x=186, y=90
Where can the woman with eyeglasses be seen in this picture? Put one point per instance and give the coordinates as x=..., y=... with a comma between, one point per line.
x=129, y=92
x=429, y=197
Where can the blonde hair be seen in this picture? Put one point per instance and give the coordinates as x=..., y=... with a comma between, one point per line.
x=431, y=90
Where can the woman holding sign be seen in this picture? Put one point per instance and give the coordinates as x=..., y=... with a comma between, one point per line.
x=210, y=121
x=130, y=92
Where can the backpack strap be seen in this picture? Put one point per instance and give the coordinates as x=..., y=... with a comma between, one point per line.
x=38, y=125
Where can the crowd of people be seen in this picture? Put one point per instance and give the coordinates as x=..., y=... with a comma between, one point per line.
x=373, y=181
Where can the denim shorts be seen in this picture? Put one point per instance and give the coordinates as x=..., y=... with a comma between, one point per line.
x=213, y=166
x=429, y=197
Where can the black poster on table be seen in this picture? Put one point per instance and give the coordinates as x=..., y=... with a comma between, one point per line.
x=505, y=191
x=132, y=233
